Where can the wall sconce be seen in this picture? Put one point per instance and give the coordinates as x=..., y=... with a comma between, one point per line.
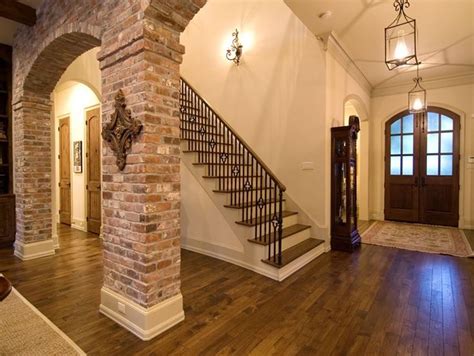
x=235, y=51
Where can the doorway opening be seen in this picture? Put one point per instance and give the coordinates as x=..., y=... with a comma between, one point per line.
x=422, y=167
x=77, y=120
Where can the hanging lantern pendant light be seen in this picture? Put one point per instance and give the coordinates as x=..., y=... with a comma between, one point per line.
x=417, y=96
x=400, y=38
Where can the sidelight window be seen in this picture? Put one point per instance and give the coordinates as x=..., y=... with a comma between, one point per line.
x=402, y=146
x=439, y=145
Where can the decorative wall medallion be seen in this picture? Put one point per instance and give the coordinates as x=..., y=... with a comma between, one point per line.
x=121, y=130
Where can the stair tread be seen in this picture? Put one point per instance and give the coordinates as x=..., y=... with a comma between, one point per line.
x=265, y=218
x=196, y=123
x=286, y=232
x=241, y=190
x=201, y=133
x=291, y=254
x=212, y=152
x=221, y=164
x=206, y=141
x=191, y=114
x=220, y=177
x=242, y=205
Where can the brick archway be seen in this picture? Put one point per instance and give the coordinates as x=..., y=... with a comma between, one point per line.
x=140, y=54
x=33, y=142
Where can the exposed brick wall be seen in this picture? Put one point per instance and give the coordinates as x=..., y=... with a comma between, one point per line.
x=140, y=54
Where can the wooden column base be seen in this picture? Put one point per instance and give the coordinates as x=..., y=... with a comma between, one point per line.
x=346, y=243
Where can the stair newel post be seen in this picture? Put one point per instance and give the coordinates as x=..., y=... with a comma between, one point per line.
x=280, y=224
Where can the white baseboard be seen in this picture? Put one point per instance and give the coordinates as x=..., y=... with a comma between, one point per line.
x=277, y=274
x=267, y=273
x=79, y=225
x=34, y=250
x=146, y=323
x=56, y=242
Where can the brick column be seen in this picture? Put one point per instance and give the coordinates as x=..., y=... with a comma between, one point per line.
x=32, y=149
x=141, y=204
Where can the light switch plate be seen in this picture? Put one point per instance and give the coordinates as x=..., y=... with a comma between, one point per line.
x=307, y=166
x=470, y=159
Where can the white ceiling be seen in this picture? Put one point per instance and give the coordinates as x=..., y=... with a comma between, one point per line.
x=445, y=35
x=8, y=28
x=445, y=31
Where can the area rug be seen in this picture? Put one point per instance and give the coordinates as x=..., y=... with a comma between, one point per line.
x=416, y=237
x=25, y=331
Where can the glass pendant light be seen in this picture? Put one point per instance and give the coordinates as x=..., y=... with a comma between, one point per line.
x=417, y=96
x=400, y=38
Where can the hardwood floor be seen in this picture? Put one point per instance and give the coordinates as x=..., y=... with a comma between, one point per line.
x=375, y=301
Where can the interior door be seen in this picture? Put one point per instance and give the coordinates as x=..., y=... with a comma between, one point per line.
x=402, y=168
x=422, y=167
x=64, y=172
x=439, y=185
x=93, y=171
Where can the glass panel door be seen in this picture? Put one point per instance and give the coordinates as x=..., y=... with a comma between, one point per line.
x=422, y=167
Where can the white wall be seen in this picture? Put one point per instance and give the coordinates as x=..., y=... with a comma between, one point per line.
x=459, y=99
x=76, y=92
x=343, y=89
x=275, y=99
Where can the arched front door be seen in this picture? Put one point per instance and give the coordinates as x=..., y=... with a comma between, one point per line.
x=422, y=167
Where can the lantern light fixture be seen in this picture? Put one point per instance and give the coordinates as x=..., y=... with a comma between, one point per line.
x=400, y=38
x=417, y=96
x=234, y=52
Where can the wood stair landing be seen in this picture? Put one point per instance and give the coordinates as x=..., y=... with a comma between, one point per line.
x=291, y=254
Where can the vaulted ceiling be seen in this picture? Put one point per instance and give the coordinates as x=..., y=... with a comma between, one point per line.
x=445, y=31
x=8, y=27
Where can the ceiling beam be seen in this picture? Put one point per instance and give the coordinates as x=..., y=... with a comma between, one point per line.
x=17, y=12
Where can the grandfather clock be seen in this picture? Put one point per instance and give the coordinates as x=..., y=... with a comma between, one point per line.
x=344, y=233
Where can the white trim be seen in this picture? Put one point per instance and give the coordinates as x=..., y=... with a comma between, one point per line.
x=332, y=45
x=50, y=323
x=146, y=323
x=265, y=272
x=30, y=251
x=56, y=241
x=79, y=225
x=277, y=274
x=433, y=83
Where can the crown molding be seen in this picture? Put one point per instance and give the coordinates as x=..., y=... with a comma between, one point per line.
x=432, y=83
x=332, y=45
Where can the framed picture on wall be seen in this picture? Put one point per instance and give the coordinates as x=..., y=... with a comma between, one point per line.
x=77, y=156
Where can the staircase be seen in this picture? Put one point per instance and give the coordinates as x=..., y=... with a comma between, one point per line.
x=251, y=188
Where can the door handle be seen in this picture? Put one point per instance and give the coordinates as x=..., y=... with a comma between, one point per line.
x=423, y=182
x=416, y=182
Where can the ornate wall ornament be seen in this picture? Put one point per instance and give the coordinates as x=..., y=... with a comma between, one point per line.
x=121, y=130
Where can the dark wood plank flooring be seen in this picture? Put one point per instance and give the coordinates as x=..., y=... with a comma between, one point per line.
x=375, y=301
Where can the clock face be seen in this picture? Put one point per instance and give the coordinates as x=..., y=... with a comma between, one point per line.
x=341, y=148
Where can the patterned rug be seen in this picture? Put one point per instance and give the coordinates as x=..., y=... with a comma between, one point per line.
x=25, y=331
x=415, y=237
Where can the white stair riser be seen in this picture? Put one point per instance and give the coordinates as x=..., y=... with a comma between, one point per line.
x=255, y=210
